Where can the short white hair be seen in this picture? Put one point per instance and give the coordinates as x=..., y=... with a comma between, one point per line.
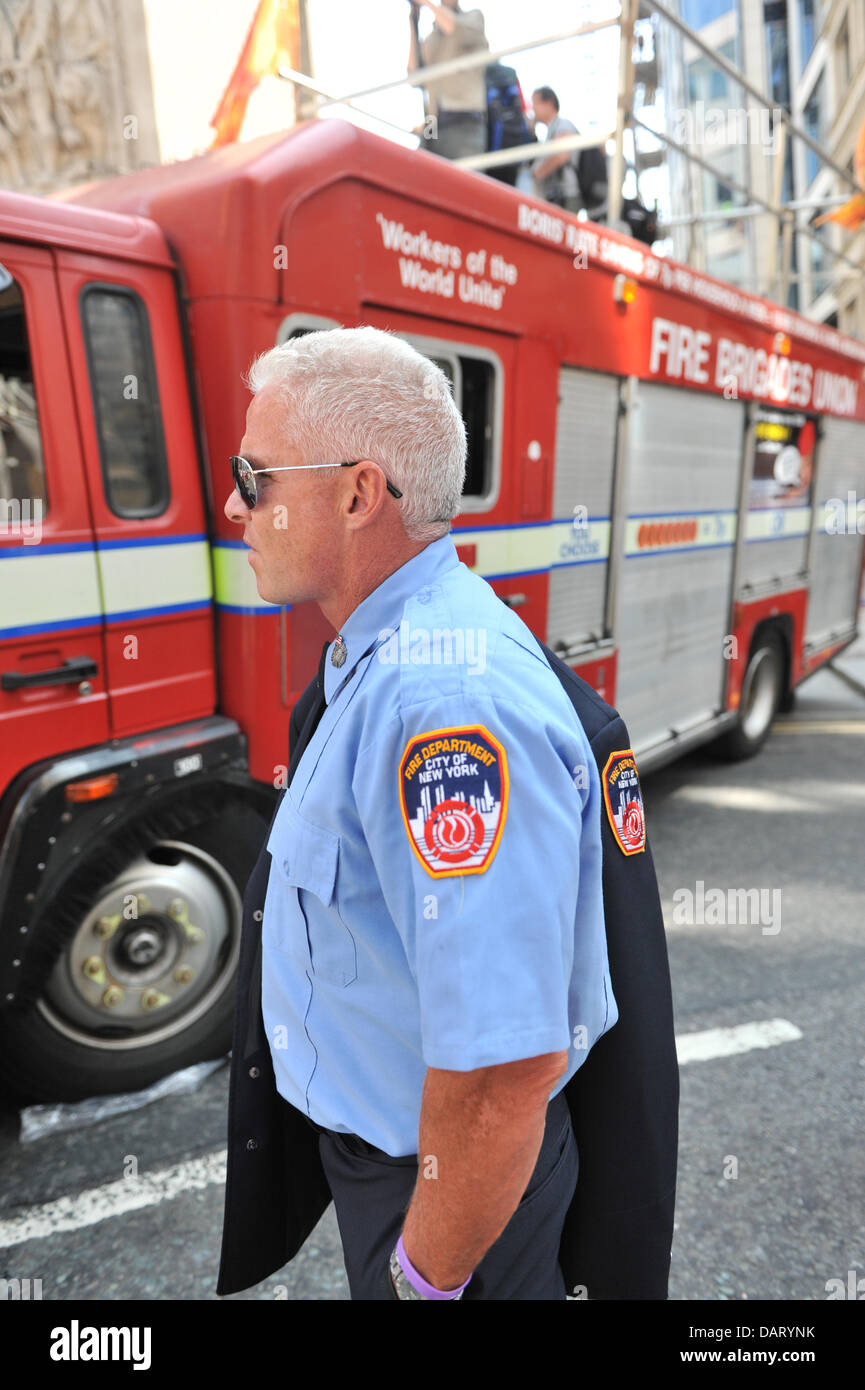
x=363, y=393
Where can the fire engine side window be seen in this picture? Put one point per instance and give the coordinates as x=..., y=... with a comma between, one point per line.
x=477, y=411
x=22, y=468
x=473, y=381
x=125, y=401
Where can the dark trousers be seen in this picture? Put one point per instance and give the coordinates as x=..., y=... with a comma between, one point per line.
x=372, y=1191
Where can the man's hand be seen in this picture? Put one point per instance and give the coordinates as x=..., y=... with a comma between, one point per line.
x=444, y=18
x=484, y=1129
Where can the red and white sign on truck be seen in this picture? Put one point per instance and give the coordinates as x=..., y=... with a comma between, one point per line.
x=664, y=479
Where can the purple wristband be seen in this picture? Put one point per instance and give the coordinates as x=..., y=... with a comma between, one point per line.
x=418, y=1282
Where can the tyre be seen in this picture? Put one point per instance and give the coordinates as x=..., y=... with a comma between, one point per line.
x=144, y=983
x=761, y=697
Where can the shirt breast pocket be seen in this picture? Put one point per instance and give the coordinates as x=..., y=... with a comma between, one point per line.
x=305, y=903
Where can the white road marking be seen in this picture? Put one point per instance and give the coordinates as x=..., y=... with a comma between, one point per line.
x=149, y=1189
x=821, y=726
x=725, y=1042
x=742, y=798
x=113, y=1199
x=811, y=796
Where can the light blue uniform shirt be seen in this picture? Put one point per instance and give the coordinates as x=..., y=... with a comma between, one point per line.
x=434, y=897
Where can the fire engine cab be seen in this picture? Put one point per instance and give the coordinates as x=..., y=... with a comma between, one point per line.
x=663, y=480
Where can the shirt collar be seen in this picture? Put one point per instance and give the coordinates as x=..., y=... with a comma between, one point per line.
x=381, y=611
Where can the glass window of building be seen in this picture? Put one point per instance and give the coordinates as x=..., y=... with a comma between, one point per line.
x=806, y=30
x=698, y=13
x=707, y=83
x=777, y=51
x=814, y=122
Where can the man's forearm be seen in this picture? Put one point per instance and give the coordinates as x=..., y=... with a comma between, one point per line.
x=478, y=1142
x=550, y=164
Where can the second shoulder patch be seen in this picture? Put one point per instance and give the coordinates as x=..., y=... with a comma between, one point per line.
x=624, y=801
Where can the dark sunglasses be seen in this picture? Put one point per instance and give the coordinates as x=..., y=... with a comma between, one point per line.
x=243, y=474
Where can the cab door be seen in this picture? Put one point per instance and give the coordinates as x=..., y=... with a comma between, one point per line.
x=53, y=695
x=145, y=485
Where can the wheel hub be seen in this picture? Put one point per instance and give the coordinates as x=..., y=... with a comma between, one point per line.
x=151, y=955
x=150, y=944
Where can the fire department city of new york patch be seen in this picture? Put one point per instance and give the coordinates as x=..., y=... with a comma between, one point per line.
x=453, y=789
x=624, y=801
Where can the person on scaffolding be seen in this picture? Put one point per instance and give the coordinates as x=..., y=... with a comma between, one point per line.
x=456, y=106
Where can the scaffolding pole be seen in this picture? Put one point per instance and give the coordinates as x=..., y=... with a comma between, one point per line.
x=777, y=187
x=741, y=188
x=625, y=94
x=752, y=210
x=518, y=154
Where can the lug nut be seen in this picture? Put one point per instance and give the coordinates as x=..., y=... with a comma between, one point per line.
x=183, y=974
x=107, y=926
x=193, y=934
x=94, y=969
x=113, y=995
x=178, y=909
x=152, y=999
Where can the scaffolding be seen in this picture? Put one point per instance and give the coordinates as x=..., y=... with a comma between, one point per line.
x=633, y=72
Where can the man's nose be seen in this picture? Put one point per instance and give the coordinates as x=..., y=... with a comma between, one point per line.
x=235, y=508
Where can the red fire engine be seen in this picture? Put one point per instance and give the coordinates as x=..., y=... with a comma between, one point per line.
x=663, y=480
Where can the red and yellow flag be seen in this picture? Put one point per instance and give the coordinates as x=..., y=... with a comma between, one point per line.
x=852, y=213
x=273, y=38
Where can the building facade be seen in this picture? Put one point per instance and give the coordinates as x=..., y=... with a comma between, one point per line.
x=809, y=59
x=75, y=92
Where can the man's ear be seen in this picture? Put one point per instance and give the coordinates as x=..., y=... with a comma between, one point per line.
x=369, y=492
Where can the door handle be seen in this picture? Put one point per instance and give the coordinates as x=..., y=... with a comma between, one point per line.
x=75, y=668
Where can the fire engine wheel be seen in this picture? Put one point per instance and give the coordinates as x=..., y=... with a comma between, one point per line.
x=761, y=697
x=145, y=984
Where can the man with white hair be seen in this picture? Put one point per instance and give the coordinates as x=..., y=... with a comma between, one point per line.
x=433, y=962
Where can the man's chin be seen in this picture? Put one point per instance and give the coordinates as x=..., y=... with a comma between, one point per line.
x=271, y=596
x=272, y=593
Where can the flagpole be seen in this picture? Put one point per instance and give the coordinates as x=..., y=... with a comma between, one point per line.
x=306, y=105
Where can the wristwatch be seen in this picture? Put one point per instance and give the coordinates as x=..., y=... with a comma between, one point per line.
x=405, y=1290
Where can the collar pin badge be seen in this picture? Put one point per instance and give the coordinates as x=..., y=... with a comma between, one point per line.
x=339, y=653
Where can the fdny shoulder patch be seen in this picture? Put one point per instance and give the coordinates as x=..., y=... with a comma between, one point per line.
x=453, y=790
x=624, y=802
